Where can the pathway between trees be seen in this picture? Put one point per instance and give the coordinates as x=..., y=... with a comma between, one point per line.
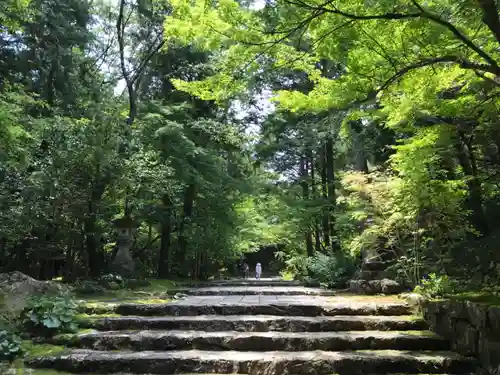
x=265, y=327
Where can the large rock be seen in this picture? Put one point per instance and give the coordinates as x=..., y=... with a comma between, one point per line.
x=17, y=288
x=369, y=287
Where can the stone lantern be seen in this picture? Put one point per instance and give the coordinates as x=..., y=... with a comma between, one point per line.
x=123, y=264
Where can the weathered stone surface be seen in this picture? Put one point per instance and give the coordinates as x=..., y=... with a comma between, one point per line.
x=371, y=274
x=281, y=309
x=477, y=314
x=374, y=265
x=260, y=323
x=473, y=329
x=415, y=300
x=256, y=363
x=466, y=341
x=384, y=286
x=253, y=341
x=494, y=320
x=254, y=290
x=17, y=288
x=391, y=286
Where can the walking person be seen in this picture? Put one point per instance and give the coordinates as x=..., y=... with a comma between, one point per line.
x=258, y=271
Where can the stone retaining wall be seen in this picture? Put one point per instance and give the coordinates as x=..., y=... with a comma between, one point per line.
x=472, y=328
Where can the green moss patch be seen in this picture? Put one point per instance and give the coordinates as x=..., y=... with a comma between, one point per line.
x=85, y=317
x=34, y=350
x=38, y=350
x=157, y=288
x=478, y=297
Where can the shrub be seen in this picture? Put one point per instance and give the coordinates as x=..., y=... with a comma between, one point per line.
x=49, y=315
x=335, y=270
x=111, y=278
x=86, y=287
x=436, y=286
x=10, y=345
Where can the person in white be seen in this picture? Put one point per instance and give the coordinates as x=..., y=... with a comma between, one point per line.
x=258, y=271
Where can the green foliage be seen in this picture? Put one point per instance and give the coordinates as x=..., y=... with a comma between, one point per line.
x=48, y=315
x=435, y=286
x=112, y=281
x=10, y=345
x=384, y=136
x=334, y=270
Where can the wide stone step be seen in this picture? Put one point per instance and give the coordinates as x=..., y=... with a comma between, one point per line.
x=256, y=363
x=244, y=282
x=32, y=371
x=254, y=341
x=254, y=290
x=191, y=307
x=259, y=323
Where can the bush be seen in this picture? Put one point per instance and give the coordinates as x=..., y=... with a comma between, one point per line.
x=47, y=316
x=436, y=286
x=111, y=278
x=10, y=345
x=87, y=287
x=335, y=270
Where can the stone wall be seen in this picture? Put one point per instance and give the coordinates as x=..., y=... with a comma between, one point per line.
x=472, y=328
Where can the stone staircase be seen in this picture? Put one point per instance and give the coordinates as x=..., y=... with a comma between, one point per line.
x=231, y=328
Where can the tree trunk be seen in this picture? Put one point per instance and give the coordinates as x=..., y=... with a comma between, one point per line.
x=95, y=256
x=305, y=194
x=475, y=199
x=314, y=194
x=187, y=211
x=358, y=147
x=324, y=192
x=166, y=234
x=330, y=177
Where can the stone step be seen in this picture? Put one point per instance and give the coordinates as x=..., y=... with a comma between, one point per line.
x=29, y=371
x=256, y=363
x=253, y=290
x=258, y=323
x=193, y=306
x=253, y=341
x=244, y=282
x=373, y=287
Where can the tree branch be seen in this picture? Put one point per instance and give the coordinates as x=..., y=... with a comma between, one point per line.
x=459, y=35
x=464, y=64
x=490, y=16
x=120, y=30
x=335, y=10
x=145, y=61
x=329, y=7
